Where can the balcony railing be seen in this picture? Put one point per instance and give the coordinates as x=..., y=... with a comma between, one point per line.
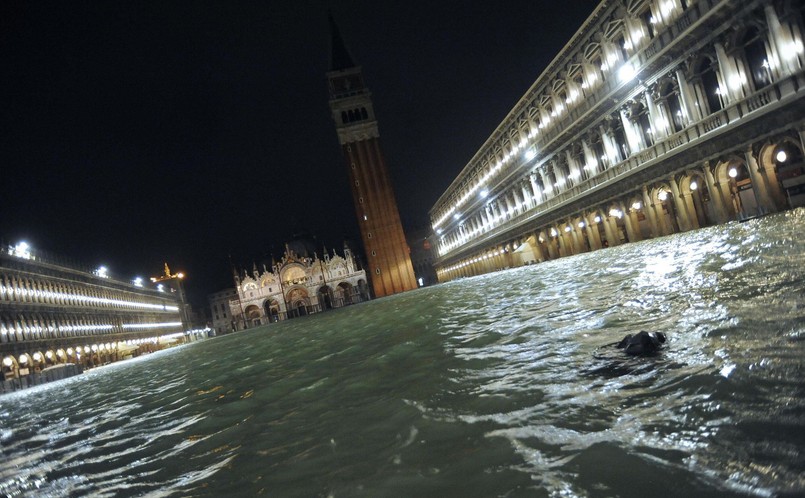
x=783, y=89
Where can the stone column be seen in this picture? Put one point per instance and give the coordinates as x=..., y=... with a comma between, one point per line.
x=597, y=235
x=552, y=246
x=578, y=239
x=654, y=114
x=528, y=197
x=692, y=112
x=610, y=147
x=629, y=130
x=632, y=225
x=655, y=229
x=694, y=208
x=683, y=219
x=759, y=184
x=592, y=234
x=532, y=179
x=778, y=39
x=536, y=248
x=715, y=195
x=728, y=70
x=611, y=230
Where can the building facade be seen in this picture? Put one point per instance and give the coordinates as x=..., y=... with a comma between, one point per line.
x=297, y=286
x=658, y=116
x=419, y=240
x=54, y=314
x=220, y=315
x=387, y=253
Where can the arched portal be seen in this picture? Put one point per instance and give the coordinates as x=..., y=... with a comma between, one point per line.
x=272, y=310
x=697, y=198
x=299, y=302
x=300, y=308
x=736, y=188
x=253, y=314
x=663, y=199
x=25, y=364
x=325, y=296
x=344, y=293
x=9, y=367
x=783, y=165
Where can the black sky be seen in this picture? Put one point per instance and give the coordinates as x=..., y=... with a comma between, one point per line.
x=133, y=133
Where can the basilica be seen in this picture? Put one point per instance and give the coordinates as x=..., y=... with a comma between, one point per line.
x=297, y=285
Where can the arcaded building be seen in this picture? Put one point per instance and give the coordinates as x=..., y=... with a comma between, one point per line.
x=658, y=116
x=54, y=313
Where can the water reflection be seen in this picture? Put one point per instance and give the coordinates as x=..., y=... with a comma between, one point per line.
x=498, y=385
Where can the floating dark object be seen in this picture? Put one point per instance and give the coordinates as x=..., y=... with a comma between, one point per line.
x=642, y=343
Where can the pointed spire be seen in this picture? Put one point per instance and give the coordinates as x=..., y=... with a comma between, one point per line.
x=340, y=58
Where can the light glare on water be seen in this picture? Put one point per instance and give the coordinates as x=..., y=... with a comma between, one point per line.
x=500, y=385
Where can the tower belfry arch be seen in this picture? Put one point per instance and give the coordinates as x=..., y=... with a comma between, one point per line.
x=388, y=258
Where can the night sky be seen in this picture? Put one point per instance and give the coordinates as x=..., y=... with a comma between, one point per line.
x=137, y=133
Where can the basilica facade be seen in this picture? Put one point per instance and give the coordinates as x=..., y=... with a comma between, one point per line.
x=658, y=116
x=297, y=285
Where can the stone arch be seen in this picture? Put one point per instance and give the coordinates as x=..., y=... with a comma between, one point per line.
x=9, y=367
x=783, y=165
x=615, y=219
x=343, y=293
x=50, y=357
x=735, y=183
x=25, y=364
x=252, y=314
x=298, y=301
x=293, y=274
x=271, y=308
x=583, y=235
x=665, y=204
x=325, y=297
x=695, y=195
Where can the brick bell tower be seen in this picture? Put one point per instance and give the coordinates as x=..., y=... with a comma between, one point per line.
x=388, y=257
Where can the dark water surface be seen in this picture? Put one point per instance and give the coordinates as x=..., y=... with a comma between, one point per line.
x=499, y=385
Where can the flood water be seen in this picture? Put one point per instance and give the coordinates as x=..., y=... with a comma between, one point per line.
x=499, y=385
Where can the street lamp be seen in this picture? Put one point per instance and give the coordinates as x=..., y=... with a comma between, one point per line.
x=178, y=277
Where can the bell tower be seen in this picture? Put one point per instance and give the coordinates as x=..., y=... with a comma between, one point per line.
x=387, y=252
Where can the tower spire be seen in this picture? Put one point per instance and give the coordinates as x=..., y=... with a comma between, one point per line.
x=340, y=58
